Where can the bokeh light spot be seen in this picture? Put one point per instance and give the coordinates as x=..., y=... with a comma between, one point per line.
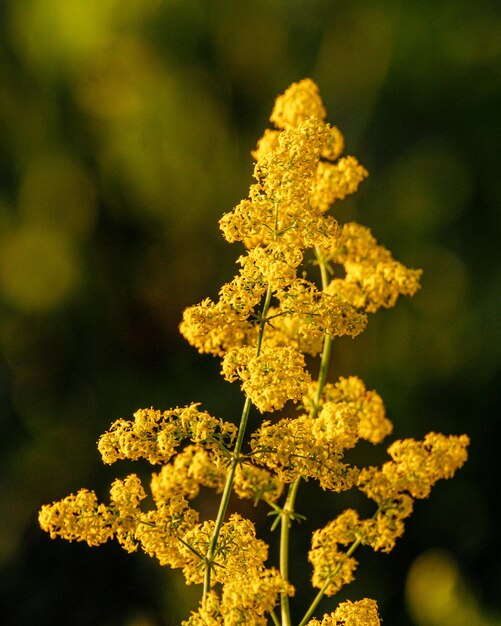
x=39, y=269
x=436, y=594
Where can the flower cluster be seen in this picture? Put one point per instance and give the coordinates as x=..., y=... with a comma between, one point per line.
x=373, y=278
x=373, y=425
x=361, y=613
x=269, y=378
x=298, y=175
x=415, y=468
x=310, y=447
x=264, y=326
x=156, y=435
x=247, y=601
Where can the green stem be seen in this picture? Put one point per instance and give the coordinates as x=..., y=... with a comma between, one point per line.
x=322, y=591
x=322, y=374
x=290, y=501
x=327, y=349
x=263, y=320
x=274, y=618
x=235, y=459
x=287, y=510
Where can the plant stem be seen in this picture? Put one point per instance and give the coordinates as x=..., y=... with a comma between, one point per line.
x=327, y=349
x=235, y=459
x=287, y=510
x=289, y=505
x=322, y=375
x=322, y=591
x=290, y=501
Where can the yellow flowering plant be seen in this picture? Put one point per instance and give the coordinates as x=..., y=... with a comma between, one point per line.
x=265, y=321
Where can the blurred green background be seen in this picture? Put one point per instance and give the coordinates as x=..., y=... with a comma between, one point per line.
x=125, y=133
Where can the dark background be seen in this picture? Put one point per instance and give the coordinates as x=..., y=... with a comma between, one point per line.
x=125, y=134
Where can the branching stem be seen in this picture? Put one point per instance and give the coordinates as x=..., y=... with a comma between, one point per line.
x=286, y=515
x=235, y=459
x=288, y=510
x=322, y=591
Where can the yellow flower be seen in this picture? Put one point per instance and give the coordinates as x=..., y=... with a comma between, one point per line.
x=331, y=566
x=192, y=468
x=248, y=600
x=382, y=531
x=373, y=278
x=416, y=466
x=373, y=425
x=298, y=103
x=335, y=181
x=209, y=613
x=160, y=530
x=216, y=328
x=319, y=313
x=267, y=143
x=78, y=517
x=299, y=447
x=245, y=601
x=361, y=613
x=155, y=435
x=337, y=426
x=277, y=263
x=306, y=315
x=334, y=145
x=289, y=330
x=238, y=550
x=278, y=204
x=256, y=483
x=286, y=447
x=125, y=497
x=270, y=379
x=263, y=323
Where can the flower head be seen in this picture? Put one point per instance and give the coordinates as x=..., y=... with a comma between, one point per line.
x=361, y=613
